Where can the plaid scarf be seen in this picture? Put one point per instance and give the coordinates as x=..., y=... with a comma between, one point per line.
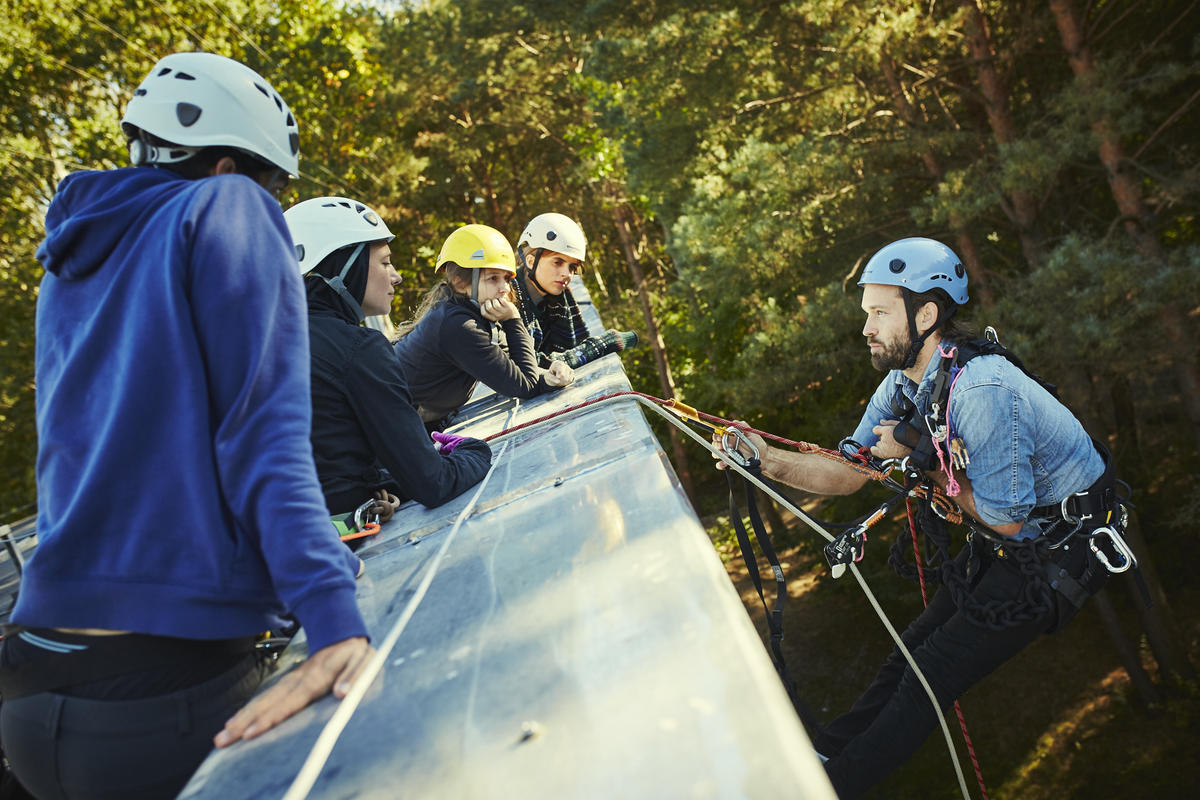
x=555, y=325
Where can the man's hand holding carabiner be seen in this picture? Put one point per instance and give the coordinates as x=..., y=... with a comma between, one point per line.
x=723, y=442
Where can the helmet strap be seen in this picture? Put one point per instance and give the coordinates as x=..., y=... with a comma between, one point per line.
x=537, y=257
x=338, y=283
x=475, y=286
x=143, y=152
x=918, y=340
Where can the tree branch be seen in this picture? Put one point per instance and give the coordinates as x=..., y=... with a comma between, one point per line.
x=1178, y=112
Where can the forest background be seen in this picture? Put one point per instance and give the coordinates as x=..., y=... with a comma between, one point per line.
x=733, y=164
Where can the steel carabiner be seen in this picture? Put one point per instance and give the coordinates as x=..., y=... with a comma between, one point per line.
x=1118, y=544
x=360, y=511
x=730, y=441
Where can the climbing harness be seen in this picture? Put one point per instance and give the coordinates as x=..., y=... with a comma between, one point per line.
x=1095, y=517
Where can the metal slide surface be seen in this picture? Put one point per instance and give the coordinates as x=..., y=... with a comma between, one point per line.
x=580, y=638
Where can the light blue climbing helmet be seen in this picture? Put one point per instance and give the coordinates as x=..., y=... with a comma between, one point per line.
x=919, y=265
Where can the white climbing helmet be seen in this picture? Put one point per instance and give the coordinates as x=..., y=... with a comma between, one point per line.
x=201, y=100
x=556, y=232
x=324, y=224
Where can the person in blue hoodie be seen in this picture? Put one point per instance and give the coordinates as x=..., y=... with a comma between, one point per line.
x=366, y=434
x=179, y=509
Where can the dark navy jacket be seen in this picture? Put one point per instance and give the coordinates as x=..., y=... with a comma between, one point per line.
x=363, y=418
x=451, y=349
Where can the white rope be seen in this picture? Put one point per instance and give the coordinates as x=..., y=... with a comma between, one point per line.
x=679, y=423
x=887, y=624
x=315, y=762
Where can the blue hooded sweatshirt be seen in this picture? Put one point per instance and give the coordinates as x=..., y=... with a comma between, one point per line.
x=176, y=488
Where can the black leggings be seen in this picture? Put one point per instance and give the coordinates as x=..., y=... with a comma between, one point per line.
x=71, y=748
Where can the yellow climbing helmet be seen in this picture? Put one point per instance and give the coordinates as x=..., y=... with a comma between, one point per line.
x=478, y=247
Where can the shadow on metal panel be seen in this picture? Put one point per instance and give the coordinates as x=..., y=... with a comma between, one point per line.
x=580, y=638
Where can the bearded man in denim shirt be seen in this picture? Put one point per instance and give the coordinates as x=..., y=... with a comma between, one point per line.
x=1021, y=456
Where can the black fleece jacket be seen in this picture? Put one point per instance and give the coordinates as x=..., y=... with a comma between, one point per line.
x=451, y=349
x=364, y=419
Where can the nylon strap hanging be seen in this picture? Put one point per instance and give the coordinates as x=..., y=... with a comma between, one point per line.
x=774, y=615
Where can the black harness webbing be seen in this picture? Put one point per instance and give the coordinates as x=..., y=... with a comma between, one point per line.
x=108, y=657
x=774, y=615
x=1093, y=520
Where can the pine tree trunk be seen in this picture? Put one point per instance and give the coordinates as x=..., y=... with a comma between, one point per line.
x=770, y=514
x=966, y=244
x=1127, y=192
x=1146, y=689
x=1022, y=205
x=667, y=383
x=1157, y=618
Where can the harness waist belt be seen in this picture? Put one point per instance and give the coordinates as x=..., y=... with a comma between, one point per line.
x=27, y=669
x=1092, y=505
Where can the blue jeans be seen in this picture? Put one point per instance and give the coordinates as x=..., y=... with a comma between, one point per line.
x=894, y=716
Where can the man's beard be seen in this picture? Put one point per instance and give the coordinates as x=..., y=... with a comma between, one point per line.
x=892, y=356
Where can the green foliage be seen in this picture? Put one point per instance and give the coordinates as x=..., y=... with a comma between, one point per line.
x=762, y=149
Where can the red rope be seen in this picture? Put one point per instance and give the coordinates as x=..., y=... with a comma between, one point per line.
x=712, y=420
x=947, y=508
x=962, y=720
x=569, y=409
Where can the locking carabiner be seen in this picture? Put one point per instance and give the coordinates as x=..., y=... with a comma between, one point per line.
x=1118, y=544
x=360, y=511
x=731, y=439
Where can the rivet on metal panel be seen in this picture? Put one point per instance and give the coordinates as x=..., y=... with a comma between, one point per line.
x=530, y=729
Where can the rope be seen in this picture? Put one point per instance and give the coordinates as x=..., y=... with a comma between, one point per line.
x=310, y=770
x=962, y=720
x=664, y=408
x=319, y=755
x=946, y=508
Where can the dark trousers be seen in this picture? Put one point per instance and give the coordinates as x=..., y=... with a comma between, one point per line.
x=894, y=716
x=71, y=748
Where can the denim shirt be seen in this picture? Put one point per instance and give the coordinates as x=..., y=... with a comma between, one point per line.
x=1025, y=448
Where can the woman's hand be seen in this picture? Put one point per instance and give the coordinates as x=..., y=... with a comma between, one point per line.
x=498, y=309
x=559, y=374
